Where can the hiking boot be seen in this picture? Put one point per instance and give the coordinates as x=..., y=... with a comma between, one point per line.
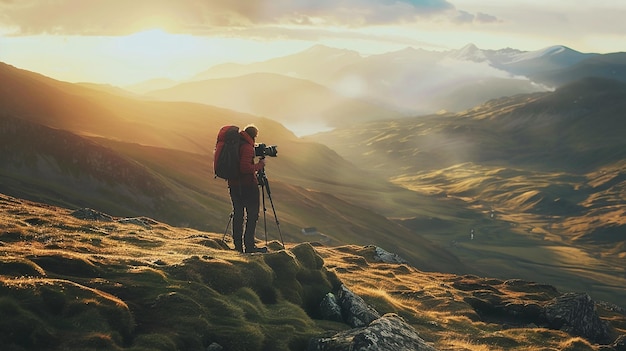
x=256, y=250
x=238, y=248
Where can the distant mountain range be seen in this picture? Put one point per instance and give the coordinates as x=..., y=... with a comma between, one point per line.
x=407, y=82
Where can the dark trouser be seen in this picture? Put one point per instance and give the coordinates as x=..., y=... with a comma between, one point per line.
x=244, y=198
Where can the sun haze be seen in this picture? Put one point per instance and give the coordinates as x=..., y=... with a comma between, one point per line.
x=121, y=43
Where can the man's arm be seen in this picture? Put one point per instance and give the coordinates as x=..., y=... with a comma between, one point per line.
x=246, y=164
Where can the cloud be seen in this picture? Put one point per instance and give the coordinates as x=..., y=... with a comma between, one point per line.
x=486, y=18
x=480, y=17
x=119, y=17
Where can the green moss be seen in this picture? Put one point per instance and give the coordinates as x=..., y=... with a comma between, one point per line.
x=20, y=267
x=23, y=329
x=67, y=265
x=250, y=303
x=283, y=263
x=307, y=256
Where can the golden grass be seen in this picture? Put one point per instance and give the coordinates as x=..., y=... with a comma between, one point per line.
x=78, y=284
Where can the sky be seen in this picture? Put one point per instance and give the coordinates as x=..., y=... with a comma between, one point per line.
x=122, y=42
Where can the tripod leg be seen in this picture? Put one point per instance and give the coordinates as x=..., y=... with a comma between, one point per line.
x=264, y=213
x=269, y=195
x=230, y=219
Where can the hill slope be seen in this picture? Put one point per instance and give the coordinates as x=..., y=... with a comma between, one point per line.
x=312, y=186
x=78, y=280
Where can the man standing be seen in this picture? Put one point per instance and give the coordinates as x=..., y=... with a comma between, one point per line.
x=244, y=193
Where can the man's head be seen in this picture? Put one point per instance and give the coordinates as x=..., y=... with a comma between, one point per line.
x=252, y=131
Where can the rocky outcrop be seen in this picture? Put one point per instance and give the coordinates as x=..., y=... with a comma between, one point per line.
x=381, y=255
x=387, y=333
x=370, y=332
x=330, y=309
x=347, y=307
x=92, y=215
x=355, y=311
x=575, y=313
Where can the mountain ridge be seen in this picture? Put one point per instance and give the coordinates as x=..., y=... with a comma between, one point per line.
x=417, y=81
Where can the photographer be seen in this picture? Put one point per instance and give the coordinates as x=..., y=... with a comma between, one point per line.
x=244, y=193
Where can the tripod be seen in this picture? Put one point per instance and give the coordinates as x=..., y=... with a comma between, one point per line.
x=264, y=184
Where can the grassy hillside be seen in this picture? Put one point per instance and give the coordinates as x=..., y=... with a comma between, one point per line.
x=125, y=179
x=138, y=284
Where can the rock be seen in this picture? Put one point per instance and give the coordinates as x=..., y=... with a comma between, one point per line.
x=388, y=257
x=575, y=313
x=92, y=215
x=140, y=221
x=388, y=333
x=330, y=309
x=354, y=310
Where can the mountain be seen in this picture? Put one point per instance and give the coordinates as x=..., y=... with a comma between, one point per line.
x=79, y=147
x=533, y=63
x=542, y=174
x=411, y=80
x=571, y=128
x=85, y=280
x=609, y=66
x=417, y=81
x=280, y=97
x=318, y=64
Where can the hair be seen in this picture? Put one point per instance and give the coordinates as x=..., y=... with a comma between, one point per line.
x=252, y=130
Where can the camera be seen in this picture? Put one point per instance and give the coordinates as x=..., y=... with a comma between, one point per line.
x=262, y=150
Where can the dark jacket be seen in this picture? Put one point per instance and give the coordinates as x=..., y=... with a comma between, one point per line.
x=247, y=167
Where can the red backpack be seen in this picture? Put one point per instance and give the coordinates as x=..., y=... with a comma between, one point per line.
x=226, y=157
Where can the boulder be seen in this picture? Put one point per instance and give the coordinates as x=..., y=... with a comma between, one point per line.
x=387, y=333
x=330, y=309
x=355, y=311
x=92, y=215
x=384, y=256
x=575, y=313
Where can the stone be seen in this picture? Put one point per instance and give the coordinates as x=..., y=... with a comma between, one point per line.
x=92, y=215
x=330, y=309
x=575, y=313
x=387, y=333
x=388, y=257
x=355, y=311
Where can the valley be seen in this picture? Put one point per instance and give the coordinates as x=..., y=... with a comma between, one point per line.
x=530, y=188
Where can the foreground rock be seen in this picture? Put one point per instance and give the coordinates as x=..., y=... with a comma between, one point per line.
x=387, y=333
x=576, y=314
